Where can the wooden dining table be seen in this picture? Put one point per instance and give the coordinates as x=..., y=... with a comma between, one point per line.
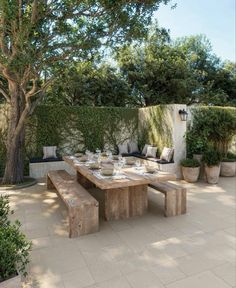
x=126, y=195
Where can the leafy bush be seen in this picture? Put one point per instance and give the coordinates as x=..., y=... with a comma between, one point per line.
x=190, y=163
x=212, y=157
x=196, y=144
x=14, y=247
x=231, y=156
x=4, y=210
x=216, y=124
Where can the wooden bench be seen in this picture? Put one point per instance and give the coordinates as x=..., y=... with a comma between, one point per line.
x=83, y=208
x=175, y=197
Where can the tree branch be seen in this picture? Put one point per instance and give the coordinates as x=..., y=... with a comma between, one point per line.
x=4, y=93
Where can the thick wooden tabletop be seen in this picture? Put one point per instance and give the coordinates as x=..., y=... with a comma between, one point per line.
x=133, y=177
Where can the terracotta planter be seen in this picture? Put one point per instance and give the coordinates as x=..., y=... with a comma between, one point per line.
x=228, y=169
x=212, y=174
x=191, y=174
x=14, y=282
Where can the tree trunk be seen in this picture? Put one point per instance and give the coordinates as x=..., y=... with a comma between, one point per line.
x=14, y=169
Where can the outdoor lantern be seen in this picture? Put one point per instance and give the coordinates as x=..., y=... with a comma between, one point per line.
x=183, y=115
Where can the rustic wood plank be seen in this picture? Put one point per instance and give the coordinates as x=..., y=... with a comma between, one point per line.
x=175, y=198
x=134, y=179
x=117, y=203
x=83, y=208
x=138, y=200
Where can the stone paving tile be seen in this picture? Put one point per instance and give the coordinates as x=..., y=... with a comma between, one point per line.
x=205, y=279
x=227, y=272
x=193, y=250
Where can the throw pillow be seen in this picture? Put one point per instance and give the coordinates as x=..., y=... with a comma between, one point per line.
x=144, y=152
x=49, y=152
x=133, y=147
x=167, y=154
x=123, y=148
x=151, y=152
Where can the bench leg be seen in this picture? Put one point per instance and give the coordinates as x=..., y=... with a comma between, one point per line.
x=83, y=220
x=175, y=202
x=49, y=183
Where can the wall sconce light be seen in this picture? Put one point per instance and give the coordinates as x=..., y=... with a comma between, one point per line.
x=183, y=115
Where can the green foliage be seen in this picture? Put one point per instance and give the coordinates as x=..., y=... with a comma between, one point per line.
x=79, y=128
x=216, y=124
x=14, y=247
x=196, y=143
x=157, y=72
x=155, y=126
x=160, y=71
x=212, y=157
x=190, y=163
x=231, y=155
x=4, y=210
x=87, y=84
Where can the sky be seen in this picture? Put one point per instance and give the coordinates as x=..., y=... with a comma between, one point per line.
x=213, y=18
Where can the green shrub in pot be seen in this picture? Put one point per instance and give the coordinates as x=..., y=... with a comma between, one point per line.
x=14, y=247
x=190, y=169
x=212, y=159
x=190, y=163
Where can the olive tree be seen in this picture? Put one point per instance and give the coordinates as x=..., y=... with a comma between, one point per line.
x=37, y=34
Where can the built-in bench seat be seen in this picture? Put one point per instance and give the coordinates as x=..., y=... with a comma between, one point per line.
x=141, y=156
x=175, y=197
x=83, y=208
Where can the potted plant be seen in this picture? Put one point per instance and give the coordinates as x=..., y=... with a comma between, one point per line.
x=14, y=249
x=196, y=146
x=228, y=165
x=212, y=159
x=190, y=169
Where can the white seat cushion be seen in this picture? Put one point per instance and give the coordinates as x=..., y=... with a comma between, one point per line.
x=167, y=154
x=123, y=148
x=133, y=147
x=49, y=152
x=144, y=151
x=151, y=152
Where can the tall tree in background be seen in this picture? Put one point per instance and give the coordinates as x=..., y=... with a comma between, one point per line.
x=87, y=83
x=36, y=34
x=157, y=71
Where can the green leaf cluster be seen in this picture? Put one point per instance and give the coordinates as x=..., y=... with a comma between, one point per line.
x=75, y=129
x=14, y=247
x=212, y=157
x=212, y=126
x=190, y=163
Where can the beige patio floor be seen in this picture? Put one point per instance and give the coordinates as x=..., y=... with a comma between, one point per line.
x=190, y=251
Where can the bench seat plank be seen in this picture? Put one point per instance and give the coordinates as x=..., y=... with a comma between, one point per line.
x=175, y=197
x=83, y=208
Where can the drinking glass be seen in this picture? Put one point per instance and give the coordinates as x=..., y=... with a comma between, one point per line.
x=138, y=164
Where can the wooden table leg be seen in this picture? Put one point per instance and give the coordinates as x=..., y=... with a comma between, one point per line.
x=122, y=203
x=84, y=181
x=138, y=200
x=116, y=203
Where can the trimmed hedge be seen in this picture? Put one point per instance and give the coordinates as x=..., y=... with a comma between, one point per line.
x=75, y=129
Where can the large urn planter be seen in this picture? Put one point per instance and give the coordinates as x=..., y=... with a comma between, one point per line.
x=212, y=174
x=14, y=282
x=190, y=170
x=212, y=159
x=191, y=174
x=228, y=168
